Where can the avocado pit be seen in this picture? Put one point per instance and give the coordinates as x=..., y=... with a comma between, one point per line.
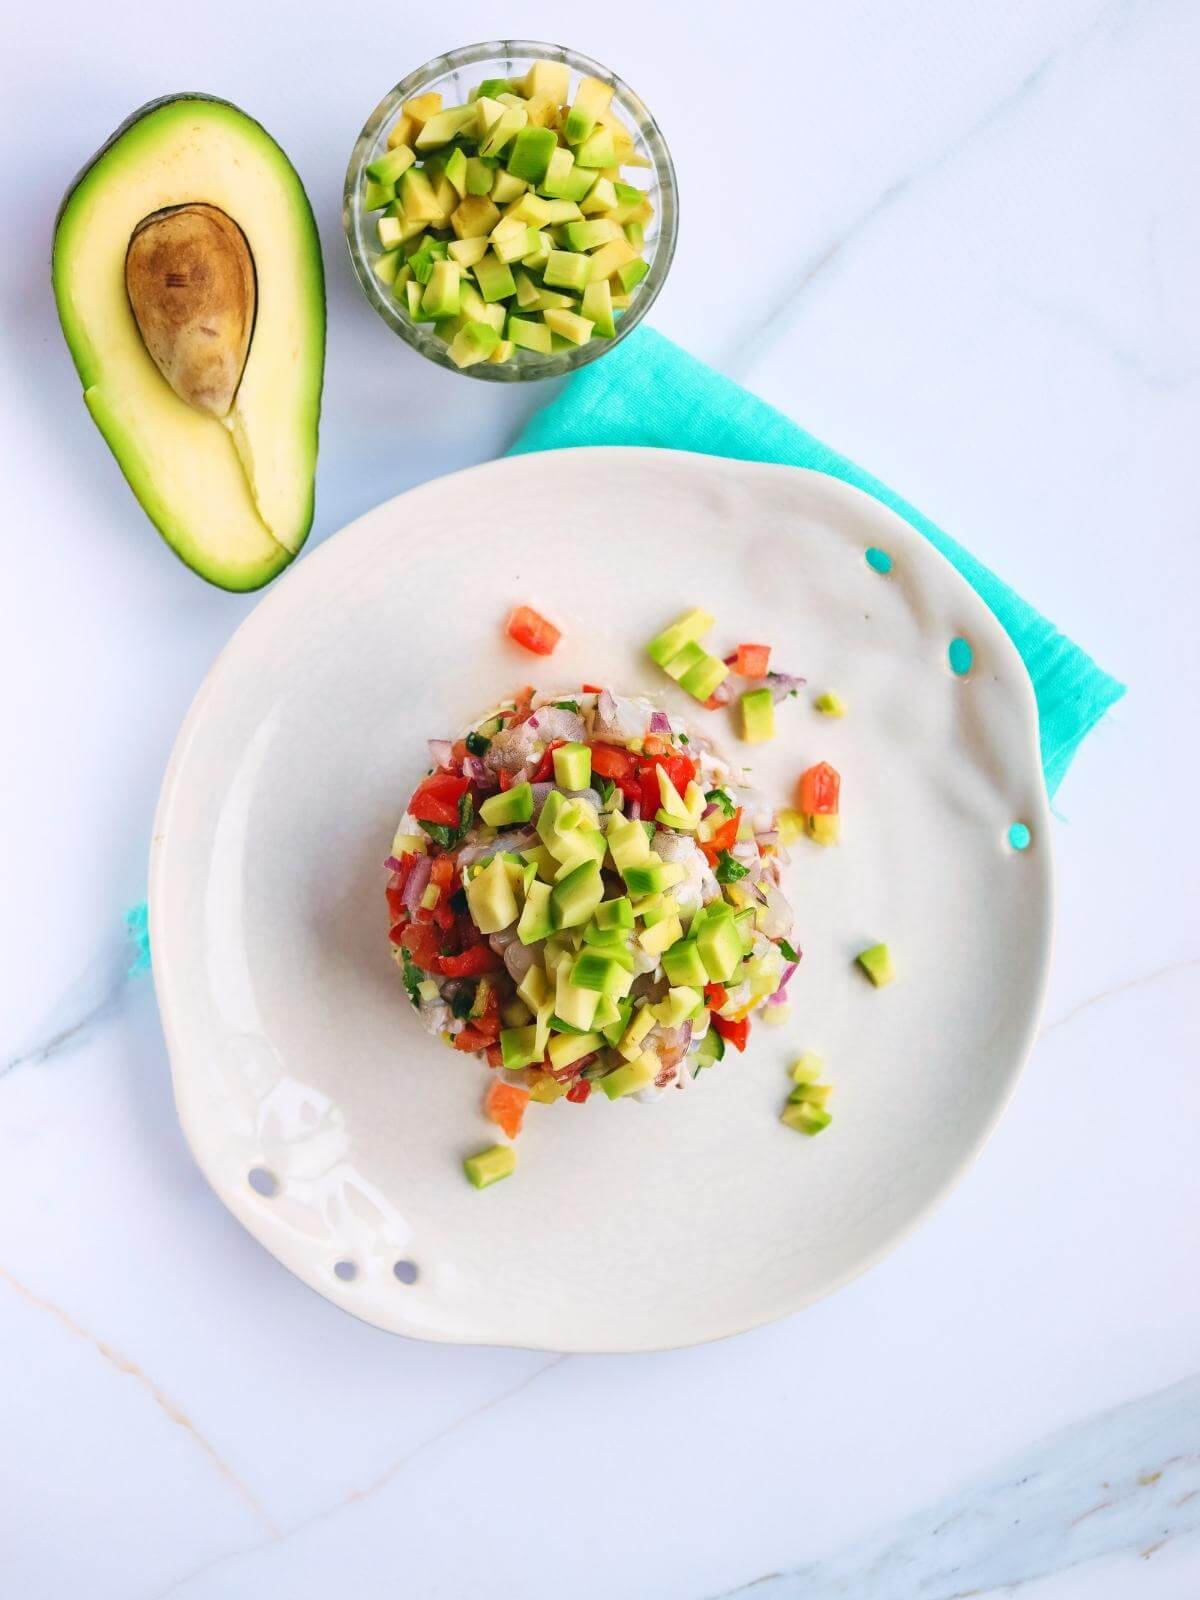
x=190, y=280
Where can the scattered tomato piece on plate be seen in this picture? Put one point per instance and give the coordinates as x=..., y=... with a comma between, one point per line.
x=505, y=1105
x=532, y=631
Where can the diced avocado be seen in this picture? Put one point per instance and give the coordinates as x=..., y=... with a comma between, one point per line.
x=489, y=1166
x=590, y=235
x=456, y=172
x=511, y=240
x=567, y=1048
x=829, y=704
x=420, y=108
x=597, y=307
x=635, y=232
x=597, y=150
x=559, y=211
x=518, y=1047
x=877, y=964
x=417, y=197
x=474, y=216
x=507, y=188
x=661, y=936
x=537, y=258
x=390, y=231
x=634, y=1075
x=615, y=914
x=378, y=195
x=502, y=132
x=531, y=152
x=592, y=99
x=494, y=278
x=679, y=1005
x=630, y=1044
x=491, y=898
x=630, y=273
x=547, y=822
x=652, y=876
x=700, y=681
x=388, y=266
x=509, y=806
x=601, y=198
x=574, y=1005
x=468, y=251
x=546, y=1090
x=574, y=900
x=758, y=716
x=504, y=351
x=531, y=208
x=441, y=295
x=575, y=848
x=472, y=344
x=607, y=972
x=552, y=78
x=719, y=942
x=804, y=1118
x=808, y=1094
x=533, y=988
x=807, y=1068
x=684, y=630
x=609, y=258
x=825, y=828
x=479, y=177
x=403, y=131
x=566, y=270
x=535, y=920
x=412, y=298
x=614, y=1031
x=559, y=175
x=569, y=326
x=529, y=335
x=573, y=766
x=444, y=126
x=744, y=921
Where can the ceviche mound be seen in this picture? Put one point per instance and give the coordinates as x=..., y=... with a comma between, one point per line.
x=584, y=893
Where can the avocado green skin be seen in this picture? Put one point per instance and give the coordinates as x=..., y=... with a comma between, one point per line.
x=234, y=581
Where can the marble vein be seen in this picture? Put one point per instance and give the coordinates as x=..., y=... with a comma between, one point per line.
x=359, y=1496
x=1156, y=976
x=93, y=997
x=127, y=1368
x=744, y=349
x=1124, y=1483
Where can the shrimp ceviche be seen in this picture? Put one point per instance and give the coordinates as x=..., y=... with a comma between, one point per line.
x=583, y=894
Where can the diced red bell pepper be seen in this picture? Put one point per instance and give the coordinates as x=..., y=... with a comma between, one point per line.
x=471, y=963
x=494, y=1056
x=471, y=1039
x=532, y=631
x=610, y=762
x=723, y=839
x=716, y=994
x=819, y=789
x=734, y=1033
x=752, y=660
x=422, y=944
x=545, y=767
x=436, y=799
x=395, y=886
x=504, y=1104
x=578, y=1092
x=506, y=780
x=591, y=688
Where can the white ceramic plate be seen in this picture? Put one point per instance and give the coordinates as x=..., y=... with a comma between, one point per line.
x=333, y=1127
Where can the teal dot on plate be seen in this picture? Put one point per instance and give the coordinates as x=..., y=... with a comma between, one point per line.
x=1019, y=836
x=961, y=656
x=878, y=560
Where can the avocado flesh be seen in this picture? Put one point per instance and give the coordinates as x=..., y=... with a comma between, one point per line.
x=232, y=495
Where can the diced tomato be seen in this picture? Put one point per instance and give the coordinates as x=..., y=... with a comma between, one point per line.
x=436, y=799
x=723, y=839
x=531, y=631
x=610, y=762
x=506, y=779
x=680, y=769
x=472, y=963
x=471, y=1039
x=714, y=703
x=716, y=995
x=504, y=1104
x=578, y=1092
x=441, y=872
x=652, y=745
x=734, y=1033
x=751, y=660
x=443, y=915
x=590, y=688
x=494, y=1056
x=819, y=789
x=523, y=706
x=488, y=1021
x=545, y=767
x=422, y=943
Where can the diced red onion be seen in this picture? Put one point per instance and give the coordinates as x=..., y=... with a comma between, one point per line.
x=478, y=771
x=770, y=837
x=418, y=882
x=633, y=810
x=782, y=684
x=710, y=810
x=532, y=722
x=441, y=752
x=660, y=722
x=393, y=864
x=722, y=694
x=780, y=995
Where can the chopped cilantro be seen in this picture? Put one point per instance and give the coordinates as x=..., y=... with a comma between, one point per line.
x=567, y=705
x=604, y=788
x=788, y=951
x=718, y=797
x=729, y=870
x=412, y=977
x=449, y=837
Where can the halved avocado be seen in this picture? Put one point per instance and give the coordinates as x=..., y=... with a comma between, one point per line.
x=193, y=184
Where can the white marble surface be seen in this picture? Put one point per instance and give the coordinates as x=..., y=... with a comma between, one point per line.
x=959, y=241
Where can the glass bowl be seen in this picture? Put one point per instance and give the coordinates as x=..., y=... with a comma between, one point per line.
x=455, y=75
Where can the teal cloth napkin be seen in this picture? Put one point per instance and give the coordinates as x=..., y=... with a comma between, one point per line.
x=650, y=392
